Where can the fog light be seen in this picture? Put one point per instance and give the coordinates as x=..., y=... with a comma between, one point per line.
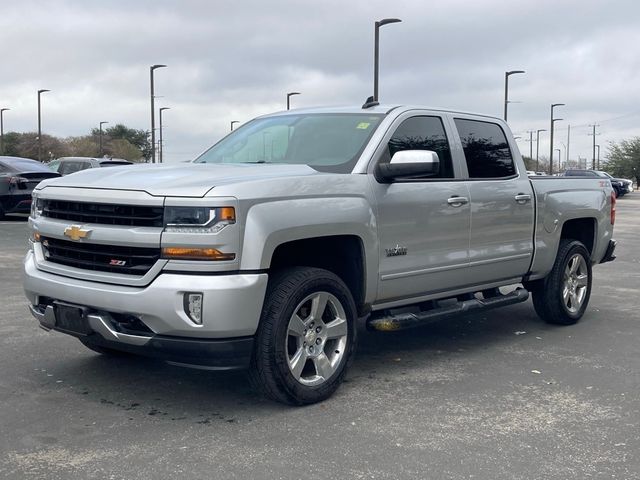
x=193, y=306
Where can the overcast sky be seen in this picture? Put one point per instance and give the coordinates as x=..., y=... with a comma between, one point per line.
x=235, y=60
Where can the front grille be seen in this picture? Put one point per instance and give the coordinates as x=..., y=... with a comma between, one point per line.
x=103, y=258
x=104, y=213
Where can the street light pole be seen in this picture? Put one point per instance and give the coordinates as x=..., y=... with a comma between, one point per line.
x=101, y=149
x=538, y=147
x=598, y=147
x=376, y=52
x=160, y=144
x=2, y=110
x=506, y=88
x=553, y=120
x=235, y=121
x=153, y=122
x=289, y=95
x=40, y=92
x=559, y=157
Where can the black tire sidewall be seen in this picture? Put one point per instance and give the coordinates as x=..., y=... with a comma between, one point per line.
x=548, y=301
x=315, y=280
x=576, y=248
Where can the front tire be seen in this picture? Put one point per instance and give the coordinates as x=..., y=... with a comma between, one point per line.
x=306, y=337
x=562, y=297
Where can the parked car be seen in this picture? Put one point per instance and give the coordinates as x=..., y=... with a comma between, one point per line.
x=18, y=178
x=621, y=186
x=67, y=165
x=266, y=250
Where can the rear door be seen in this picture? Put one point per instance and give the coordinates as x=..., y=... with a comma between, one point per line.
x=502, y=203
x=423, y=231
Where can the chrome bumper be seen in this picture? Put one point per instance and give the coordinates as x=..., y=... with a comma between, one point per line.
x=231, y=307
x=99, y=324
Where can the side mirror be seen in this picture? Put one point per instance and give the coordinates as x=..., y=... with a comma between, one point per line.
x=410, y=164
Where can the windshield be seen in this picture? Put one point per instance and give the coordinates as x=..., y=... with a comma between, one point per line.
x=604, y=174
x=327, y=142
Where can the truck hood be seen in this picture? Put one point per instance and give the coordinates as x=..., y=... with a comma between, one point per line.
x=175, y=180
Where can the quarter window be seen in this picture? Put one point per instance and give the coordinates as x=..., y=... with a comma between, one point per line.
x=423, y=133
x=485, y=149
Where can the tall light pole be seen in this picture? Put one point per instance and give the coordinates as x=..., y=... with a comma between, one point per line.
x=101, y=150
x=506, y=88
x=594, y=135
x=235, y=121
x=40, y=92
x=568, y=140
x=153, y=121
x=2, y=110
x=160, y=144
x=289, y=95
x=538, y=147
x=553, y=120
x=559, y=157
x=376, y=52
x=598, y=147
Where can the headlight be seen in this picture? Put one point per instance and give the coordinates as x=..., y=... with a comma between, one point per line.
x=198, y=219
x=36, y=206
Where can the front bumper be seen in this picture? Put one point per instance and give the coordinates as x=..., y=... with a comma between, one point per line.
x=211, y=354
x=231, y=309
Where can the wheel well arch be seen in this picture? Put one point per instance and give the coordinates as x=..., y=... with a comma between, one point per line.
x=342, y=255
x=581, y=229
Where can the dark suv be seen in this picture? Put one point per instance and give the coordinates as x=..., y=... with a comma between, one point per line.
x=620, y=185
x=67, y=165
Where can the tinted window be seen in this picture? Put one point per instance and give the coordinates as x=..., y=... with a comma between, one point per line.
x=485, y=149
x=72, y=166
x=580, y=173
x=423, y=133
x=25, y=165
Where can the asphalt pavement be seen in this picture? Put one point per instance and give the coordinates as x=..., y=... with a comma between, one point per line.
x=495, y=396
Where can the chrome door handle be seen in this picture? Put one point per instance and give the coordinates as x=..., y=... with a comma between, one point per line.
x=457, y=201
x=522, y=198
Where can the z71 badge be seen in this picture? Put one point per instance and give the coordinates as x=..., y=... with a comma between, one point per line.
x=396, y=251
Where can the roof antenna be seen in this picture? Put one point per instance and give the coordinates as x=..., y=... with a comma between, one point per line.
x=370, y=102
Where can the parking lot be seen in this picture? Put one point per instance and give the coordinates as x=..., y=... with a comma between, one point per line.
x=496, y=396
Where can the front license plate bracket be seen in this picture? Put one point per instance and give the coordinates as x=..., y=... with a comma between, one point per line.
x=72, y=319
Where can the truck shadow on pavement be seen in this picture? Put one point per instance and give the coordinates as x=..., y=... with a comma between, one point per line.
x=138, y=385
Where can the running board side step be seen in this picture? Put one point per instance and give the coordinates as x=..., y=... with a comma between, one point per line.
x=403, y=321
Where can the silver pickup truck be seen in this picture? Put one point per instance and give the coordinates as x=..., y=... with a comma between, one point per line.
x=268, y=248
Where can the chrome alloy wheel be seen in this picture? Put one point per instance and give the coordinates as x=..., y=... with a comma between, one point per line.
x=576, y=281
x=316, y=338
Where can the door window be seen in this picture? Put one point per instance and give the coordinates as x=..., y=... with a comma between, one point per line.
x=422, y=133
x=486, y=149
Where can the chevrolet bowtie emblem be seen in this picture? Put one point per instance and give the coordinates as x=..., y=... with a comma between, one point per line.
x=76, y=232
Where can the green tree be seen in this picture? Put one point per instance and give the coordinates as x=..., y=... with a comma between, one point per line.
x=26, y=145
x=121, y=148
x=137, y=138
x=84, y=146
x=623, y=159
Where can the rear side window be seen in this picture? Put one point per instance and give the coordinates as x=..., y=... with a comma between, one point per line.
x=423, y=133
x=486, y=149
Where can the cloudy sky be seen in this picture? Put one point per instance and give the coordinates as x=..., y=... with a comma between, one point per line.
x=235, y=60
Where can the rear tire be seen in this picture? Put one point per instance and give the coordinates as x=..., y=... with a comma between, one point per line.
x=561, y=298
x=306, y=337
